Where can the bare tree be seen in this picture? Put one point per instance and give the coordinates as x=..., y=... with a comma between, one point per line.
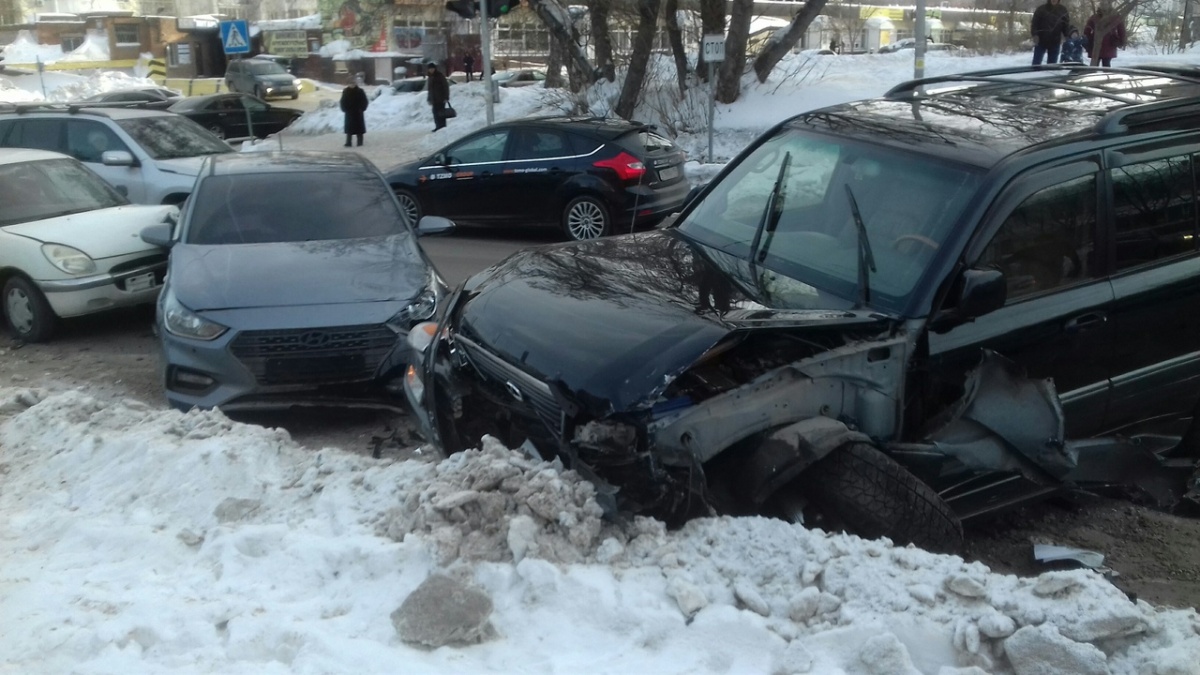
x=602, y=39
x=643, y=42
x=782, y=41
x=558, y=21
x=675, y=36
x=729, y=84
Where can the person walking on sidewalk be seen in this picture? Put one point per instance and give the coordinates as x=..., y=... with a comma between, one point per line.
x=1050, y=25
x=438, y=94
x=354, y=104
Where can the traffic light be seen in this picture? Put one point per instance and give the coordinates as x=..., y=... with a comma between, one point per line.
x=464, y=8
x=498, y=8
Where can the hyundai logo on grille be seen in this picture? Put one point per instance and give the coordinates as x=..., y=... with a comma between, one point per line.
x=514, y=391
x=314, y=339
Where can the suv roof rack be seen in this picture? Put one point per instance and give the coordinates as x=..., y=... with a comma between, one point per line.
x=69, y=107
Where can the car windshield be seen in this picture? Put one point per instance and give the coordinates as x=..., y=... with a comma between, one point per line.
x=814, y=215
x=265, y=68
x=172, y=137
x=292, y=207
x=50, y=188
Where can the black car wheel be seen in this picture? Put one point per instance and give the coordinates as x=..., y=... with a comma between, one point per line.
x=585, y=218
x=27, y=312
x=217, y=131
x=410, y=205
x=859, y=489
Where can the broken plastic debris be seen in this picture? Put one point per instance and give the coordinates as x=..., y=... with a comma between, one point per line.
x=1051, y=553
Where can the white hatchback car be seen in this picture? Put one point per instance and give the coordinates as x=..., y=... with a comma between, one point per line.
x=69, y=244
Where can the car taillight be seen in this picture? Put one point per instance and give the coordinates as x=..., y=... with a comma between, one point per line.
x=626, y=165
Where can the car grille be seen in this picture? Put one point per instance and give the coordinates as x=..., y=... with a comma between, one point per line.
x=314, y=355
x=521, y=386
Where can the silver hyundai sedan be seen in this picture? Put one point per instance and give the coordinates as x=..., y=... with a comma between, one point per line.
x=293, y=280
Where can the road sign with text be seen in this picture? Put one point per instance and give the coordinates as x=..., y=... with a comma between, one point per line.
x=714, y=48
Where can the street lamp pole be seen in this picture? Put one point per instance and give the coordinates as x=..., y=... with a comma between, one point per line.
x=485, y=45
x=919, y=39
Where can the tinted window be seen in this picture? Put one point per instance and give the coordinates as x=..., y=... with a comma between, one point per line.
x=1154, y=210
x=37, y=134
x=540, y=144
x=652, y=142
x=87, y=141
x=265, y=68
x=488, y=147
x=1048, y=241
x=50, y=188
x=291, y=207
x=170, y=137
x=908, y=205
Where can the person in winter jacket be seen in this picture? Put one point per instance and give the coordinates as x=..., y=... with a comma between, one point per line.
x=438, y=94
x=1049, y=27
x=1113, y=40
x=1072, y=49
x=354, y=103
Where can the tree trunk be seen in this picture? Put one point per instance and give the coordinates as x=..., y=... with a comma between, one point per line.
x=554, y=64
x=643, y=42
x=675, y=35
x=712, y=22
x=782, y=41
x=602, y=38
x=1185, y=29
x=729, y=83
x=558, y=22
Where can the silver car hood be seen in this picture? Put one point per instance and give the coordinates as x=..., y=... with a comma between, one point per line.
x=333, y=272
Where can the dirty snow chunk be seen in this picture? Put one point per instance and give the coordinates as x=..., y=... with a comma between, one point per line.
x=1111, y=622
x=688, y=596
x=923, y=593
x=997, y=626
x=795, y=659
x=805, y=604
x=444, y=611
x=1042, y=650
x=972, y=670
x=748, y=595
x=886, y=655
x=966, y=586
x=828, y=603
x=1053, y=583
x=16, y=400
x=190, y=538
x=966, y=636
x=232, y=510
x=522, y=536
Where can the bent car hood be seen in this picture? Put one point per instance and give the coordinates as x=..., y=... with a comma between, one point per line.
x=293, y=274
x=617, y=319
x=103, y=233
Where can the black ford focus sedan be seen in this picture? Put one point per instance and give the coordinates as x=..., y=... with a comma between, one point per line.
x=590, y=176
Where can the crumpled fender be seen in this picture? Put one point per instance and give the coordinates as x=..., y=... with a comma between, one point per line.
x=786, y=452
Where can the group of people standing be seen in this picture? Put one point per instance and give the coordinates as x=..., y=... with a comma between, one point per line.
x=1053, y=35
x=354, y=103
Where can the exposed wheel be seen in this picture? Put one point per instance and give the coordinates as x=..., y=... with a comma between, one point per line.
x=218, y=131
x=586, y=218
x=859, y=489
x=410, y=205
x=26, y=311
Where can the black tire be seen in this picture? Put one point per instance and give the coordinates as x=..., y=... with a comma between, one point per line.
x=859, y=489
x=26, y=311
x=410, y=205
x=586, y=218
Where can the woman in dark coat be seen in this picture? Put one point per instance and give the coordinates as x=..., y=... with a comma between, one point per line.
x=354, y=103
x=1114, y=39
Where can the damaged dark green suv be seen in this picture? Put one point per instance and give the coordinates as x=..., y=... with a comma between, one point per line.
x=887, y=316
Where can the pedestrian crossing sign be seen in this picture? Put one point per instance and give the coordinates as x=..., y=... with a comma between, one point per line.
x=235, y=36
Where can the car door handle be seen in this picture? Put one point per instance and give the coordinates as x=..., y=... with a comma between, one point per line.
x=1085, y=322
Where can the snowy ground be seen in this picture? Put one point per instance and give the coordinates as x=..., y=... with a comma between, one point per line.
x=143, y=540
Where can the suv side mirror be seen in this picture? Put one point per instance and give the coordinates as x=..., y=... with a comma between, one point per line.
x=981, y=291
x=159, y=235
x=117, y=158
x=429, y=225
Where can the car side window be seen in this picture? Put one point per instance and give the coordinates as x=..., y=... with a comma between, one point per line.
x=251, y=103
x=1048, y=241
x=6, y=127
x=231, y=103
x=487, y=147
x=1154, y=211
x=38, y=134
x=88, y=141
x=540, y=144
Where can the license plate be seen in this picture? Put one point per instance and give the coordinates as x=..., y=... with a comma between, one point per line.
x=140, y=282
x=669, y=173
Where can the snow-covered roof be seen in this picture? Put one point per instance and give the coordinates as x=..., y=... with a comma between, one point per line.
x=310, y=22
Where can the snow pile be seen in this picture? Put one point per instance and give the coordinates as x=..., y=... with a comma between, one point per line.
x=25, y=49
x=141, y=540
x=62, y=87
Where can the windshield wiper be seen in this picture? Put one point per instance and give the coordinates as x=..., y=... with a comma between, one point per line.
x=866, y=261
x=771, y=214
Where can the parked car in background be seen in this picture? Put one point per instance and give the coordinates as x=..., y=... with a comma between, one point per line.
x=519, y=78
x=294, y=279
x=264, y=78
x=150, y=156
x=410, y=85
x=236, y=115
x=909, y=43
x=589, y=176
x=155, y=98
x=887, y=316
x=69, y=244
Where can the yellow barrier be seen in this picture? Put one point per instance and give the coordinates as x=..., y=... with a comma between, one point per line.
x=157, y=70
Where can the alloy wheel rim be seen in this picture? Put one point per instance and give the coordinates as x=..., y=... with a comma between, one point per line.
x=20, y=310
x=410, y=209
x=585, y=221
